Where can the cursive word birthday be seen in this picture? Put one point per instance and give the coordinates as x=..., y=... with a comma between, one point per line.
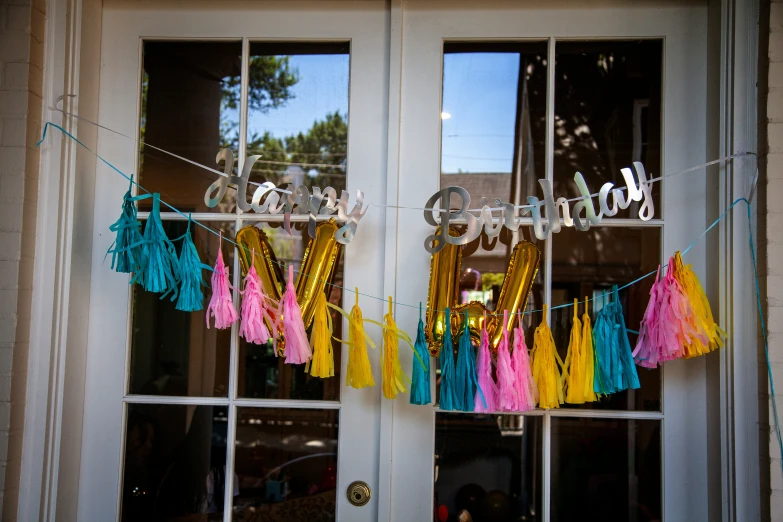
x=556, y=209
x=268, y=199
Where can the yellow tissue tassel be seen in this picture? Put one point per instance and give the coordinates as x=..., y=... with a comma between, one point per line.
x=392, y=370
x=574, y=369
x=359, y=373
x=321, y=340
x=701, y=310
x=588, y=352
x=545, y=366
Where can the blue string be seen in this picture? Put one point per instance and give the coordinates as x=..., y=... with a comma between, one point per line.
x=603, y=296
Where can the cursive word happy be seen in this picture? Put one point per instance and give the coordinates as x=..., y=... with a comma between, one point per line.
x=292, y=200
x=556, y=209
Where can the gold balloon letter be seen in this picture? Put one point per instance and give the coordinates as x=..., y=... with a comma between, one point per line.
x=444, y=285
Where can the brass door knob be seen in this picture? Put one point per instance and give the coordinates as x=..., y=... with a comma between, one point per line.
x=358, y=493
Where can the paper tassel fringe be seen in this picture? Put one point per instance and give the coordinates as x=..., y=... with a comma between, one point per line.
x=191, y=297
x=486, y=402
x=159, y=265
x=359, y=373
x=420, y=373
x=466, y=379
x=297, y=349
x=507, y=399
x=254, y=304
x=322, y=364
x=526, y=389
x=221, y=306
x=447, y=374
x=545, y=366
x=614, y=366
x=392, y=374
x=126, y=256
x=579, y=361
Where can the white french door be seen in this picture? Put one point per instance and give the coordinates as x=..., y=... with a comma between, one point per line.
x=493, y=99
x=188, y=423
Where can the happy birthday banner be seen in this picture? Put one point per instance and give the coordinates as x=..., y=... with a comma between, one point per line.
x=488, y=368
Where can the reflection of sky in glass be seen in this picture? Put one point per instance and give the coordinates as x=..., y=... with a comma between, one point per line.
x=479, y=92
x=322, y=89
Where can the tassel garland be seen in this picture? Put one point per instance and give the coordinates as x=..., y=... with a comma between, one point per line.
x=486, y=401
x=420, y=374
x=507, y=391
x=527, y=391
x=125, y=253
x=587, y=351
x=221, y=306
x=447, y=385
x=159, y=266
x=545, y=366
x=710, y=333
x=297, y=348
x=614, y=366
x=322, y=364
x=191, y=297
x=392, y=374
x=359, y=373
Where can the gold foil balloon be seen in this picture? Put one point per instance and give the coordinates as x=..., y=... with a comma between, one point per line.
x=444, y=286
x=252, y=239
x=318, y=268
x=520, y=273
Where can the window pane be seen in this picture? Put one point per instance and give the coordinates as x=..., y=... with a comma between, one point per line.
x=286, y=464
x=173, y=352
x=489, y=466
x=588, y=264
x=606, y=469
x=175, y=463
x=298, y=112
x=494, y=119
x=189, y=107
x=262, y=375
x=484, y=264
x=607, y=114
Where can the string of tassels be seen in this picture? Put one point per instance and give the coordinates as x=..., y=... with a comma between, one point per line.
x=420, y=373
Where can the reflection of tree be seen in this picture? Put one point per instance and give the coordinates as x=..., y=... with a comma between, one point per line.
x=270, y=79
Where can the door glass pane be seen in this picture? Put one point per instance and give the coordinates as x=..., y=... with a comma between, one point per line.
x=607, y=114
x=263, y=375
x=173, y=352
x=175, y=463
x=488, y=467
x=606, y=469
x=286, y=464
x=494, y=118
x=298, y=112
x=189, y=107
x=588, y=264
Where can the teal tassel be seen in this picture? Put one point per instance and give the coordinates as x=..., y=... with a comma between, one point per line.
x=160, y=267
x=191, y=298
x=126, y=249
x=420, y=375
x=447, y=396
x=466, y=379
x=614, y=365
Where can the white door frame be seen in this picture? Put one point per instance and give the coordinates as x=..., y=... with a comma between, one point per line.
x=52, y=384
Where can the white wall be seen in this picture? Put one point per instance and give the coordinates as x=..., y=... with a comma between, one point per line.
x=22, y=28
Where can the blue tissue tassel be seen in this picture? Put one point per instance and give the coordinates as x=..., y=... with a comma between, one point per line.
x=420, y=375
x=466, y=378
x=126, y=249
x=160, y=267
x=447, y=399
x=614, y=365
x=191, y=298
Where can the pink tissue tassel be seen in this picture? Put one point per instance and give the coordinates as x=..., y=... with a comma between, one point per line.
x=507, y=393
x=220, y=304
x=485, y=381
x=252, y=327
x=665, y=328
x=524, y=384
x=297, y=347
